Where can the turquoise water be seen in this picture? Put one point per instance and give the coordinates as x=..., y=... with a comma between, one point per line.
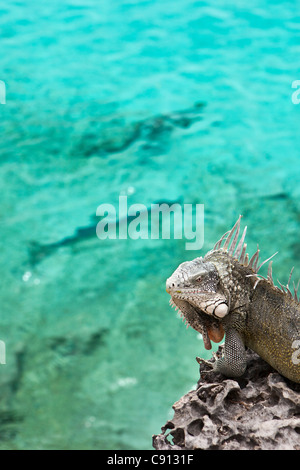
x=158, y=100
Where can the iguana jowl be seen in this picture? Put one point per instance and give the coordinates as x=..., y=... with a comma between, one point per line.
x=223, y=293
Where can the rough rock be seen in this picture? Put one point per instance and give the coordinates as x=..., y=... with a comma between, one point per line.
x=260, y=410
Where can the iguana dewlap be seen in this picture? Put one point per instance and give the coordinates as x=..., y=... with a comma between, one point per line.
x=223, y=292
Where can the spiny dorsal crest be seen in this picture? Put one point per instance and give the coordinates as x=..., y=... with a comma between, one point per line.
x=237, y=249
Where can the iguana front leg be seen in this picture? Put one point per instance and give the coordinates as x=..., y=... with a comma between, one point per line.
x=233, y=363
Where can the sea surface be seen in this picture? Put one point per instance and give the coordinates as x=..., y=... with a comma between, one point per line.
x=184, y=100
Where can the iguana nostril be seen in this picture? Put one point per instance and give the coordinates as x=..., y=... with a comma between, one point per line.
x=169, y=285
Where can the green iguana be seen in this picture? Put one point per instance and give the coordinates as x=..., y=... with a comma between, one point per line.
x=223, y=293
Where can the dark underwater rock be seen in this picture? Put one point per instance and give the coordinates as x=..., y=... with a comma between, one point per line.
x=114, y=135
x=259, y=411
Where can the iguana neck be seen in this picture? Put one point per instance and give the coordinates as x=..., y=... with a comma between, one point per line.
x=236, y=280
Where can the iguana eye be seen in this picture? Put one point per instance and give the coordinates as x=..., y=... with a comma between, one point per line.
x=199, y=279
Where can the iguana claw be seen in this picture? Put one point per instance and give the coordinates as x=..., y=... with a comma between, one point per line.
x=203, y=361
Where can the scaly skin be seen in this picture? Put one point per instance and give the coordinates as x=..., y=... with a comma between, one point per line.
x=273, y=327
x=222, y=292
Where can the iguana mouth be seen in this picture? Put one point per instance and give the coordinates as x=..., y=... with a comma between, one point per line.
x=210, y=328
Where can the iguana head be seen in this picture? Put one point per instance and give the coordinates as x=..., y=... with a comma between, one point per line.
x=196, y=291
x=198, y=283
